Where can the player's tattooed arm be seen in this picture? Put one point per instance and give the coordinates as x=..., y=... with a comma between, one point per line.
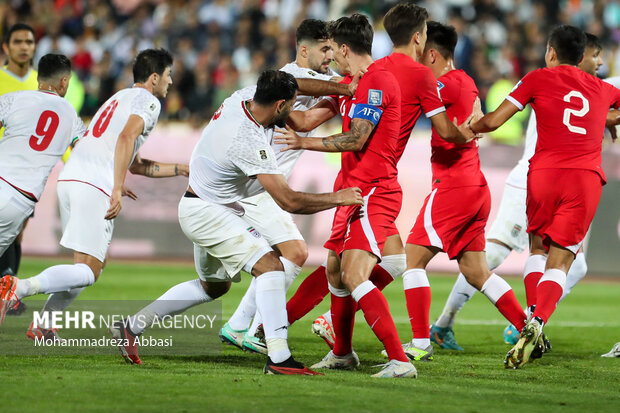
x=153, y=169
x=350, y=141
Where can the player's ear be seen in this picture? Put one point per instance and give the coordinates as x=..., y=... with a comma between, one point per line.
x=5, y=48
x=279, y=105
x=154, y=78
x=303, y=51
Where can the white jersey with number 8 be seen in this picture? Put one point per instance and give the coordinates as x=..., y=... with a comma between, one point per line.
x=92, y=160
x=40, y=126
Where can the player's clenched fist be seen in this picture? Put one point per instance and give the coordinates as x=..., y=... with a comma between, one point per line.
x=350, y=196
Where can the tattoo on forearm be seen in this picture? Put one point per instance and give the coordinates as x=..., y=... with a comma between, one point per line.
x=152, y=168
x=348, y=141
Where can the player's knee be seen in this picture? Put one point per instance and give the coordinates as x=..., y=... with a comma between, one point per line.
x=267, y=263
x=495, y=254
x=395, y=265
x=215, y=289
x=297, y=253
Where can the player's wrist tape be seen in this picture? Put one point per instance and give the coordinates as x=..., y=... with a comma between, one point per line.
x=368, y=112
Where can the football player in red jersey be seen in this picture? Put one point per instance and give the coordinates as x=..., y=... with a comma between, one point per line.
x=565, y=176
x=446, y=222
x=406, y=25
x=369, y=143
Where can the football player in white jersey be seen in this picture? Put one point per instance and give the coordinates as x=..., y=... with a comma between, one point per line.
x=507, y=232
x=40, y=125
x=314, y=54
x=91, y=184
x=233, y=151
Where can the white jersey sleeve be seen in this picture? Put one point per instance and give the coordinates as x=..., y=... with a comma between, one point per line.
x=252, y=154
x=39, y=127
x=518, y=175
x=92, y=160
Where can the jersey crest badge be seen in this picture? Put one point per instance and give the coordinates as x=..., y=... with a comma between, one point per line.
x=516, y=230
x=375, y=97
x=440, y=85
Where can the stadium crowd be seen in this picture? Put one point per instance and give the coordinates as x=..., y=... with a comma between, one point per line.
x=221, y=46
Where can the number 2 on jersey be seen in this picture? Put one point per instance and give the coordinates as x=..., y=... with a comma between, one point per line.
x=579, y=113
x=104, y=120
x=45, y=131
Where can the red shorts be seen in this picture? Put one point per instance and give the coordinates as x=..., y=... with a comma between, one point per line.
x=366, y=227
x=453, y=219
x=561, y=204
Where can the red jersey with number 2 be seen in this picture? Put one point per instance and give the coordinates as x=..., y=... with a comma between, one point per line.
x=571, y=107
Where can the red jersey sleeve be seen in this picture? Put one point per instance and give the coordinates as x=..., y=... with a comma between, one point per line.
x=374, y=94
x=430, y=99
x=614, y=96
x=523, y=91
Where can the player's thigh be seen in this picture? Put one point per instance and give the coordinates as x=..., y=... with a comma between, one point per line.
x=224, y=239
x=85, y=229
x=14, y=210
x=510, y=224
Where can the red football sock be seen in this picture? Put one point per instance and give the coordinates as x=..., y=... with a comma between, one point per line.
x=549, y=293
x=377, y=315
x=534, y=269
x=309, y=294
x=343, y=318
x=531, y=285
x=510, y=308
x=380, y=277
x=418, y=297
x=501, y=295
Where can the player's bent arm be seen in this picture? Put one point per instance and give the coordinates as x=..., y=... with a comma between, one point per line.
x=495, y=119
x=450, y=132
x=350, y=141
x=316, y=87
x=153, y=169
x=303, y=202
x=307, y=120
x=122, y=157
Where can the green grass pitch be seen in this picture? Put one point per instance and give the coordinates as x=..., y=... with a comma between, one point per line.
x=573, y=377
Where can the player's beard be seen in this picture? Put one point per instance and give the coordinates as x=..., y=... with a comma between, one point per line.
x=280, y=121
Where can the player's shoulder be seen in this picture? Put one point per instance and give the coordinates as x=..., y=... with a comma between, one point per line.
x=378, y=74
x=458, y=77
x=304, y=72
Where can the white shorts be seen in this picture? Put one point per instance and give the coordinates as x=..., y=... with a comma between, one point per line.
x=274, y=224
x=82, y=211
x=224, y=242
x=15, y=208
x=510, y=224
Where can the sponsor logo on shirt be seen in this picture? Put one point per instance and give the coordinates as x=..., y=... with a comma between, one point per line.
x=375, y=97
x=262, y=155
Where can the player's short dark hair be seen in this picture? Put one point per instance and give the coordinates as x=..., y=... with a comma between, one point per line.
x=441, y=37
x=52, y=65
x=593, y=42
x=403, y=21
x=355, y=31
x=569, y=43
x=274, y=85
x=312, y=30
x=15, y=28
x=150, y=61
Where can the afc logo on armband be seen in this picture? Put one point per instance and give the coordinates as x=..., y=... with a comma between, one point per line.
x=375, y=97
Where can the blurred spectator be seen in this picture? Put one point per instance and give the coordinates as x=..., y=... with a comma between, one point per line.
x=220, y=45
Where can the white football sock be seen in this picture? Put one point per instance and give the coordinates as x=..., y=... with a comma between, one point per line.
x=271, y=303
x=576, y=272
x=421, y=343
x=176, y=300
x=55, y=279
x=60, y=301
x=242, y=317
x=291, y=271
x=462, y=291
x=496, y=254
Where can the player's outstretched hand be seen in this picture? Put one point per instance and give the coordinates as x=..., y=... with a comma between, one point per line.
x=355, y=82
x=115, y=203
x=289, y=138
x=350, y=196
